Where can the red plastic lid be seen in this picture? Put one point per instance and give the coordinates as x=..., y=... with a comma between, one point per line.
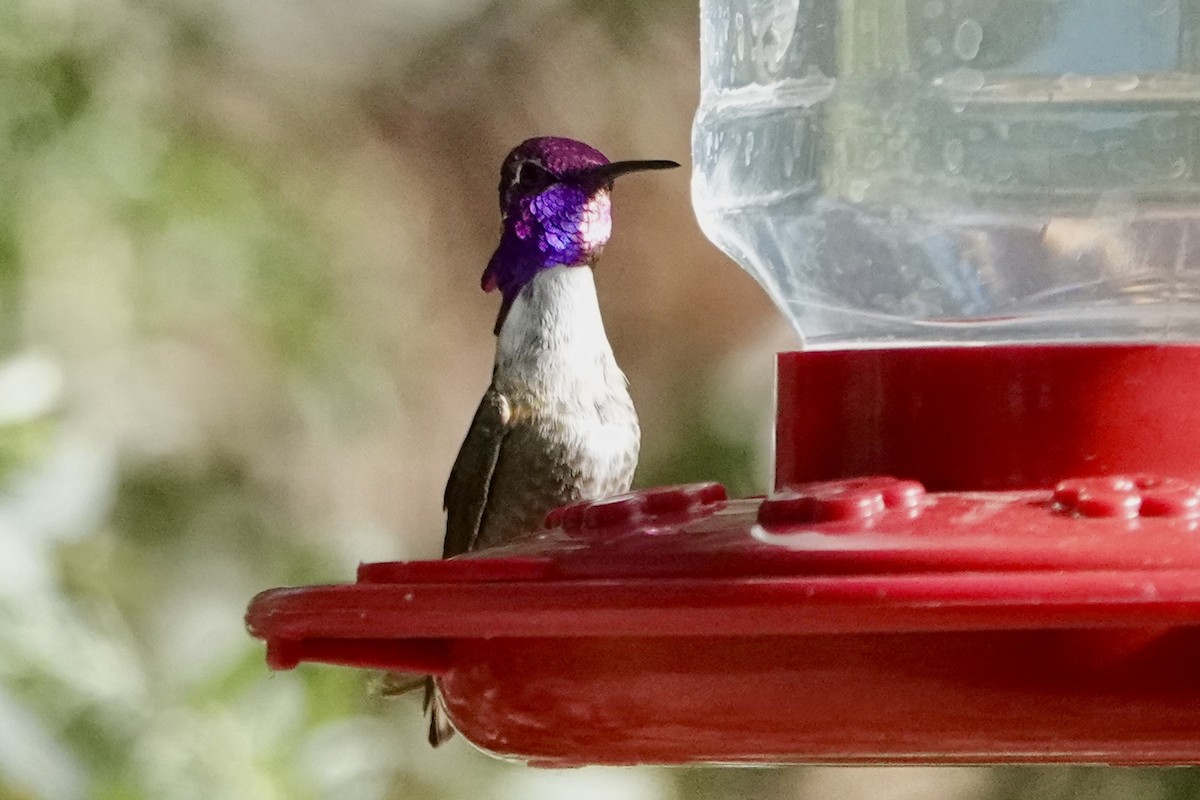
x=844, y=620
x=966, y=418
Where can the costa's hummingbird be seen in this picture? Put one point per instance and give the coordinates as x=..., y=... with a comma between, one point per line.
x=556, y=425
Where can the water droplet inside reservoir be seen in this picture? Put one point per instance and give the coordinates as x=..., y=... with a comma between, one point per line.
x=967, y=39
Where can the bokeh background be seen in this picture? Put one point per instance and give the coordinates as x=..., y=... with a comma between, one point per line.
x=241, y=337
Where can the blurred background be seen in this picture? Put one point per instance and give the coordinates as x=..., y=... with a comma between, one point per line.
x=241, y=337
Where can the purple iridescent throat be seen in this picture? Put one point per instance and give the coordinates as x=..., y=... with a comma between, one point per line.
x=561, y=227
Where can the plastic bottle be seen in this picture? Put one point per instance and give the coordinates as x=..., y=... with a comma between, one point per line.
x=918, y=172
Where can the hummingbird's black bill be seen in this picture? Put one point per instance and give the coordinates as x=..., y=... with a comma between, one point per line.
x=608, y=172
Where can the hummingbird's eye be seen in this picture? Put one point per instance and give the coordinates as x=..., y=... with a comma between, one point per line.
x=531, y=178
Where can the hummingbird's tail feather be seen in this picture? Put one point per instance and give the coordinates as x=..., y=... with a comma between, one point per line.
x=395, y=684
x=440, y=728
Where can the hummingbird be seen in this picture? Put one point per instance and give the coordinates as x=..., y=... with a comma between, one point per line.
x=556, y=425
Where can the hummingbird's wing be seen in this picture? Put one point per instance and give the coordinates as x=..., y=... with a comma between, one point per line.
x=471, y=478
x=466, y=497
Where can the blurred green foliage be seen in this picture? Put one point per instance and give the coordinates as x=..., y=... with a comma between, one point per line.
x=166, y=244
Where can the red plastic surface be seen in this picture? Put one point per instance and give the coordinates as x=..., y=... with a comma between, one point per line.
x=969, y=418
x=852, y=620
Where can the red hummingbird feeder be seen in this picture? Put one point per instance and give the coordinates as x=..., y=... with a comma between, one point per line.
x=983, y=544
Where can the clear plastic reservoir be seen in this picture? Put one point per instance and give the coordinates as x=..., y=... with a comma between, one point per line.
x=914, y=172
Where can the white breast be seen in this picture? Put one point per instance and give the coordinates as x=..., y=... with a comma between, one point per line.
x=554, y=347
x=553, y=338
